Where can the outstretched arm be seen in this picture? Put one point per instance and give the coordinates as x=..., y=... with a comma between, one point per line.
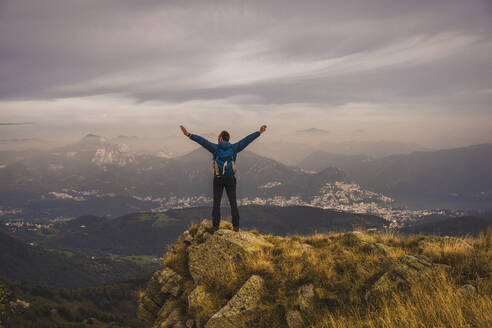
x=243, y=143
x=211, y=147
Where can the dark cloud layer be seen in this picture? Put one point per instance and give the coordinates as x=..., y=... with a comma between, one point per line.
x=407, y=57
x=52, y=49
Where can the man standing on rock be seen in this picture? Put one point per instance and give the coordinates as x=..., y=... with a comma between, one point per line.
x=224, y=161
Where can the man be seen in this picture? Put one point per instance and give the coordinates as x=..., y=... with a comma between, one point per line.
x=224, y=160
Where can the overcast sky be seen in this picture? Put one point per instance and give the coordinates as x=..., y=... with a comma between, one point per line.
x=417, y=71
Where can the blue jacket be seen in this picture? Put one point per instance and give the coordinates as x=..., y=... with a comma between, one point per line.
x=225, y=153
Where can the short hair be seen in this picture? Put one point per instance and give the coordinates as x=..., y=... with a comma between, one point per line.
x=225, y=135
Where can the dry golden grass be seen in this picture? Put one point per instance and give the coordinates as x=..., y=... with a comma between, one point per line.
x=433, y=302
x=456, y=248
x=178, y=260
x=343, y=269
x=209, y=305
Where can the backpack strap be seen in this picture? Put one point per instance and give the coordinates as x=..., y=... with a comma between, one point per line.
x=216, y=168
x=224, y=167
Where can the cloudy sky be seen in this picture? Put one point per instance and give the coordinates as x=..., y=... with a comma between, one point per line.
x=416, y=71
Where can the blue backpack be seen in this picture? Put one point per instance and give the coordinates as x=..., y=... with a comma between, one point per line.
x=225, y=160
x=224, y=153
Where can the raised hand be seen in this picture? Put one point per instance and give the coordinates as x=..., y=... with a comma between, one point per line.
x=263, y=128
x=186, y=133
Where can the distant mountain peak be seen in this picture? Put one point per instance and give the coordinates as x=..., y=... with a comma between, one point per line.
x=313, y=130
x=91, y=135
x=113, y=155
x=93, y=138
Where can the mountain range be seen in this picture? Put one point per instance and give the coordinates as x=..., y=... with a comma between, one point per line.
x=450, y=178
x=95, y=176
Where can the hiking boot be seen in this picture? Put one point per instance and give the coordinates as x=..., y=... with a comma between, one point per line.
x=236, y=229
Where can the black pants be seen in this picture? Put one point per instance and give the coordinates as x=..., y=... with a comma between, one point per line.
x=230, y=186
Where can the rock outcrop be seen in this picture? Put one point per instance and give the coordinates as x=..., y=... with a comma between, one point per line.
x=408, y=268
x=227, y=279
x=222, y=252
x=161, y=297
x=294, y=319
x=305, y=297
x=204, y=259
x=239, y=311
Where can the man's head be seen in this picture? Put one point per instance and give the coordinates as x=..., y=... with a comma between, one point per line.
x=224, y=136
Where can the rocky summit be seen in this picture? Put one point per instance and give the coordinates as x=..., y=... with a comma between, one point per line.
x=170, y=297
x=222, y=279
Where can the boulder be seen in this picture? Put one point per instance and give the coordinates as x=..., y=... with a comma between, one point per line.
x=175, y=319
x=150, y=305
x=152, y=300
x=360, y=240
x=239, y=311
x=162, y=290
x=222, y=252
x=409, y=268
x=170, y=282
x=167, y=308
x=171, y=315
x=467, y=289
x=198, y=299
x=383, y=249
x=154, y=286
x=305, y=297
x=418, y=263
x=294, y=319
x=360, y=237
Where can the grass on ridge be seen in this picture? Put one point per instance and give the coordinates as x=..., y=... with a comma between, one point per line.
x=343, y=270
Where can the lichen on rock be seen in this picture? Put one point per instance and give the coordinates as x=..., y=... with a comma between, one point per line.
x=401, y=275
x=294, y=319
x=222, y=255
x=203, y=259
x=197, y=298
x=239, y=311
x=305, y=297
x=159, y=303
